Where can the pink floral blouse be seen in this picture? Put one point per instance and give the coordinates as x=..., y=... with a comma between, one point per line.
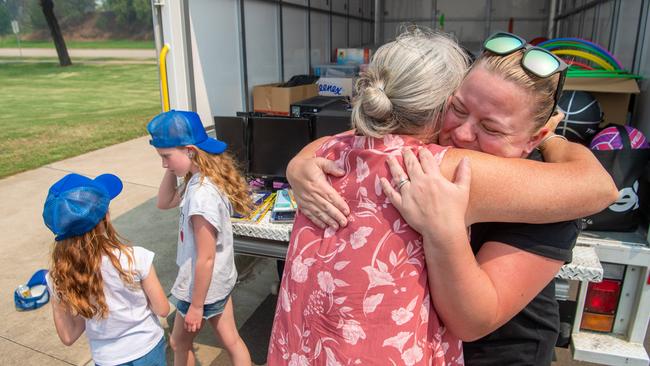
x=359, y=295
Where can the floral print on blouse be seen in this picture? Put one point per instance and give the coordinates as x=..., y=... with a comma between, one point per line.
x=359, y=295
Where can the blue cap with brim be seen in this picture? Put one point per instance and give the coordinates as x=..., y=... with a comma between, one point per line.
x=182, y=128
x=76, y=204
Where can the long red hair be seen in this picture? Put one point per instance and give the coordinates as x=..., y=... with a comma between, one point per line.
x=76, y=272
x=223, y=171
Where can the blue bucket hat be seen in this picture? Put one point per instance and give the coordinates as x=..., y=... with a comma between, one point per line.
x=182, y=128
x=76, y=204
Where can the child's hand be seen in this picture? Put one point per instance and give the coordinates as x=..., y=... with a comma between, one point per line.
x=193, y=318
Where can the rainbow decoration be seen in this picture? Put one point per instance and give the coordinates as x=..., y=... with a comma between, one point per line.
x=586, y=59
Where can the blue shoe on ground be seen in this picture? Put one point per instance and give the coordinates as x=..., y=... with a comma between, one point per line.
x=38, y=294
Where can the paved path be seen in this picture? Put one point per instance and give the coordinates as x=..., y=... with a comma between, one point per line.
x=29, y=338
x=84, y=53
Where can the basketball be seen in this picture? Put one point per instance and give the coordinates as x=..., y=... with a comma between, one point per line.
x=582, y=115
x=610, y=139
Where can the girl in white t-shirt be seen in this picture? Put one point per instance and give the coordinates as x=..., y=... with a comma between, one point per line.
x=213, y=190
x=100, y=285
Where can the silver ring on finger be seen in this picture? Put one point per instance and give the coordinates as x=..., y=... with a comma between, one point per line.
x=402, y=183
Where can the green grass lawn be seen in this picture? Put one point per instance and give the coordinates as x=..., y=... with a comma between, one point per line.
x=10, y=42
x=51, y=113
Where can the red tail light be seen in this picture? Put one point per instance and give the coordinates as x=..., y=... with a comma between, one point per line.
x=602, y=297
x=600, y=305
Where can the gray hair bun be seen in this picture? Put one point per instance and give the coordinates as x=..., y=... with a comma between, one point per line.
x=407, y=83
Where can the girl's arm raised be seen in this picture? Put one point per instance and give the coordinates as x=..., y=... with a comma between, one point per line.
x=155, y=293
x=69, y=327
x=168, y=195
x=205, y=237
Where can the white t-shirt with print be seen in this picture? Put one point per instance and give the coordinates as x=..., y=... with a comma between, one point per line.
x=131, y=329
x=205, y=199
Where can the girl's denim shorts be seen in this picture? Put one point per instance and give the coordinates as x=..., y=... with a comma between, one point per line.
x=155, y=357
x=209, y=310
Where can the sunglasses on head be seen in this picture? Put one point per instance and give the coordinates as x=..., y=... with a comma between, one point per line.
x=538, y=61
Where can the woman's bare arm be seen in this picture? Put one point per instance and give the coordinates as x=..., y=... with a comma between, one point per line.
x=499, y=281
x=508, y=190
x=518, y=190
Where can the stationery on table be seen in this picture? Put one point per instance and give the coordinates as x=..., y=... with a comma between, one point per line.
x=263, y=202
x=284, y=207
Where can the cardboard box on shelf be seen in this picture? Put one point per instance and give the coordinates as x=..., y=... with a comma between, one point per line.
x=275, y=100
x=335, y=86
x=612, y=94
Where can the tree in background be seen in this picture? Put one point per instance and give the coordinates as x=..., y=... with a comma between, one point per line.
x=74, y=11
x=130, y=13
x=5, y=20
x=33, y=19
x=130, y=19
x=10, y=10
x=57, y=36
x=68, y=12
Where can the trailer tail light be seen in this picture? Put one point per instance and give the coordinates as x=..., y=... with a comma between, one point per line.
x=600, y=305
x=602, y=297
x=597, y=322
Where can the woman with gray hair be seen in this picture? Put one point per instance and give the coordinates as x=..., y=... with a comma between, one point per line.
x=360, y=294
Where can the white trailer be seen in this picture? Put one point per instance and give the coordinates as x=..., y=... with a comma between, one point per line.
x=219, y=49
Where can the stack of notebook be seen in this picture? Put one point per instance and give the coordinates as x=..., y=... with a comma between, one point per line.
x=284, y=207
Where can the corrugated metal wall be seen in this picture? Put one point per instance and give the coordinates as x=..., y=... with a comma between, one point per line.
x=282, y=40
x=470, y=21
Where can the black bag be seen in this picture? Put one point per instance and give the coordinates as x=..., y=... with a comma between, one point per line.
x=626, y=167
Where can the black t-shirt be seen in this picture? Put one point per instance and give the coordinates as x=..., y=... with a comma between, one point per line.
x=528, y=338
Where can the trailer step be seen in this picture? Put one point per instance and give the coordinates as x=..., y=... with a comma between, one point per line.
x=607, y=349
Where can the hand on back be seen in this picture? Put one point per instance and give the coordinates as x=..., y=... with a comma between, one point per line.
x=428, y=202
x=316, y=197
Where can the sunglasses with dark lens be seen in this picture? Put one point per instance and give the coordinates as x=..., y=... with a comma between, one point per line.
x=536, y=60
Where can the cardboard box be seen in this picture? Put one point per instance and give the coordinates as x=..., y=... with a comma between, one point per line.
x=612, y=94
x=335, y=86
x=272, y=99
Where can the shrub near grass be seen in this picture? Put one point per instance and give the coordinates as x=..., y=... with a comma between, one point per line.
x=51, y=113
